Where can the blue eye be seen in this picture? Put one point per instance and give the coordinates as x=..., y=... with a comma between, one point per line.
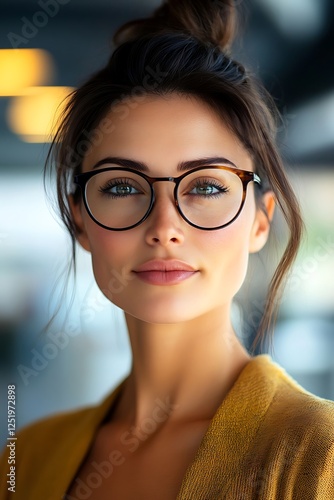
x=119, y=188
x=208, y=188
x=122, y=190
x=205, y=190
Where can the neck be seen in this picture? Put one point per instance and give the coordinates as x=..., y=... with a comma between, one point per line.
x=184, y=369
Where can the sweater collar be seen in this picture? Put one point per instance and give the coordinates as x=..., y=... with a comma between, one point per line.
x=231, y=431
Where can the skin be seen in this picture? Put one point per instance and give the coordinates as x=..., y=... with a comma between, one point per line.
x=183, y=344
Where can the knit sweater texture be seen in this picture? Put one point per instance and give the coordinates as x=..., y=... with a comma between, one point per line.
x=268, y=440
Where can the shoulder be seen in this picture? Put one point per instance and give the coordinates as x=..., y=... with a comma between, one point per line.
x=49, y=426
x=301, y=422
x=291, y=407
x=275, y=404
x=40, y=447
x=53, y=444
x=293, y=446
x=50, y=436
x=290, y=414
x=67, y=425
x=287, y=396
x=295, y=404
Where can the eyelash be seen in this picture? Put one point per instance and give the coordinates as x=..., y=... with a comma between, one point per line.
x=117, y=182
x=210, y=182
x=105, y=190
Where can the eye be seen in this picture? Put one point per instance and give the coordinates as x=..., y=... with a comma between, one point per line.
x=208, y=187
x=119, y=188
x=204, y=190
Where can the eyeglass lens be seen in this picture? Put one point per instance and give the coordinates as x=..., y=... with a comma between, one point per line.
x=207, y=198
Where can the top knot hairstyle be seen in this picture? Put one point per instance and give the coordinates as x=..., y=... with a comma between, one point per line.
x=182, y=48
x=211, y=21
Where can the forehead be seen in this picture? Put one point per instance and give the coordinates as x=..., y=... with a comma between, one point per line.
x=162, y=131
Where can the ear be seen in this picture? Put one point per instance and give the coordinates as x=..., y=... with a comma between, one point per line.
x=76, y=209
x=261, y=225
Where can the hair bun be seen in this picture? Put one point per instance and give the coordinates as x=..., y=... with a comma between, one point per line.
x=211, y=21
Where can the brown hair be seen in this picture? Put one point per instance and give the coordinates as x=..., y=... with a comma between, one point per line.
x=184, y=48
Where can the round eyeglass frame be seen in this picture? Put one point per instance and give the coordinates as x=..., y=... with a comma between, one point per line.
x=244, y=175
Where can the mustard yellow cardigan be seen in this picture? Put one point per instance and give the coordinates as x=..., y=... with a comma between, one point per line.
x=269, y=440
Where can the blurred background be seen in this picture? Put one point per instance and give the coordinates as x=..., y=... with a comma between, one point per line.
x=85, y=352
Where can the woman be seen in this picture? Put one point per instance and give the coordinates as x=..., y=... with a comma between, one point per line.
x=175, y=187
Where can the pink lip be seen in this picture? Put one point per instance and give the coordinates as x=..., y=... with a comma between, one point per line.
x=164, y=272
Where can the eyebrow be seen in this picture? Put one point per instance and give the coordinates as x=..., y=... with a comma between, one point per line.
x=182, y=166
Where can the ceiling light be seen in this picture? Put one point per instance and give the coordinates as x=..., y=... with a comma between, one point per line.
x=21, y=68
x=33, y=114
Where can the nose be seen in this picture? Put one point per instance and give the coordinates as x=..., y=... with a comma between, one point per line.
x=164, y=226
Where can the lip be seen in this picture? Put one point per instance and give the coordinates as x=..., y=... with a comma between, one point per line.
x=164, y=265
x=164, y=272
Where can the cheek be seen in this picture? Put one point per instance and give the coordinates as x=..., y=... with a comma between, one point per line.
x=230, y=254
x=110, y=252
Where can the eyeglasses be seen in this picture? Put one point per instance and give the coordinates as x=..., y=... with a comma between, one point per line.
x=207, y=198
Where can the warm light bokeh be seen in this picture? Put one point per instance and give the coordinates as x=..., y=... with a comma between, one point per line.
x=33, y=114
x=21, y=68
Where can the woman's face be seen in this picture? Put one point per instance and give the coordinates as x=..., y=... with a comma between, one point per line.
x=162, y=132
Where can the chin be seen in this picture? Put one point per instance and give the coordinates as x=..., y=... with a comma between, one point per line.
x=163, y=313
x=165, y=318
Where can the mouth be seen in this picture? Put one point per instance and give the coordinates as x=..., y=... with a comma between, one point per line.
x=164, y=272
